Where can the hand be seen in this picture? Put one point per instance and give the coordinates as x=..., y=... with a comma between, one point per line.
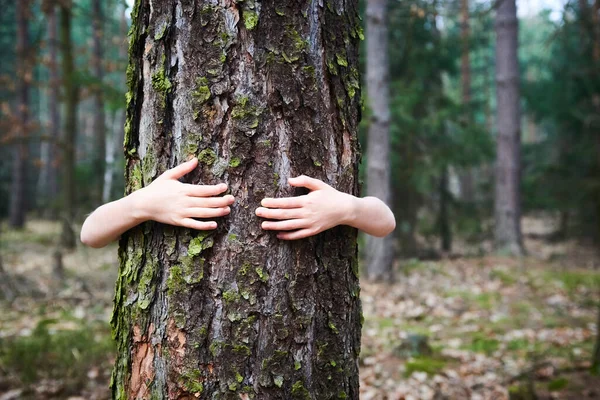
x=171, y=202
x=323, y=208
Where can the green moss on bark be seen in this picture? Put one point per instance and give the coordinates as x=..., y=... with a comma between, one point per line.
x=250, y=19
x=202, y=92
x=207, y=156
x=162, y=84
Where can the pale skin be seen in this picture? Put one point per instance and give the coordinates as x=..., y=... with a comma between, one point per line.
x=169, y=201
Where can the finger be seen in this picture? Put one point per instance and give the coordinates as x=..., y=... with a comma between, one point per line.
x=198, y=225
x=201, y=212
x=283, y=202
x=277, y=213
x=205, y=190
x=180, y=170
x=210, y=202
x=295, y=235
x=287, y=225
x=307, y=182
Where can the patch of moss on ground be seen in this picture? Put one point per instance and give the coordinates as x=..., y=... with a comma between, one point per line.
x=431, y=366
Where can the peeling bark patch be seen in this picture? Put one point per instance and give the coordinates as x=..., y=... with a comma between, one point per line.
x=142, y=360
x=176, y=339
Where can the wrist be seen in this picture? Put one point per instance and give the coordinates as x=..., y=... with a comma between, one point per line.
x=350, y=210
x=138, y=206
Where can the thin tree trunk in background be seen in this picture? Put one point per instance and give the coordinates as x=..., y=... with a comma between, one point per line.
x=436, y=86
x=259, y=94
x=467, y=185
x=444, y=218
x=99, y=151
x=50, y=174
x=380, y=251
x=24, y=75
x=110, y=158
x=508, y=163
x=7, y=290
x=116, y=147
x=113, y=147
x=70, y=96
x=595, y=31
x=596, y=355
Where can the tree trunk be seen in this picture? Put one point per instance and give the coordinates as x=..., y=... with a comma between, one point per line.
x=596, y=355
x=380, y=251
x=444, y=218
x=467, y=186
x=592, y=19
x=17, y=191
x=7, y=289
x=99, y=151
x=508, y=163
x=69, y=135
x=259, y=92
x=116, y=145
x=49, y=176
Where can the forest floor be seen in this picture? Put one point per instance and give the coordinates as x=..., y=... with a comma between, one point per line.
x=483, y=327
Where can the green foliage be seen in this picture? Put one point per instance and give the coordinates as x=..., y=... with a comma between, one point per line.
x=559, y=89
x=428, y=127
x=56, y=354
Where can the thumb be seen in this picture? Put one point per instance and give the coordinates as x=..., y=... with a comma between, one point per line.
x=180, y=170
x=307, y=182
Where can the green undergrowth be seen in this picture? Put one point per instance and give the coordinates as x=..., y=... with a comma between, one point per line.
x=49, y=353
x=16, y=237
x=480, y=343
x=429, y=365
x=572, y=281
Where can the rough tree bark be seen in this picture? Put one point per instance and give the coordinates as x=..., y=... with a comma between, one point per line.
x=508, y=237
x=17, y=190
x=380, y=251
x=99, y=153
x=70, y=96
x=259, y=92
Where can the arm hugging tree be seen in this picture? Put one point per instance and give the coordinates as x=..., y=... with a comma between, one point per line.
x=259, y=92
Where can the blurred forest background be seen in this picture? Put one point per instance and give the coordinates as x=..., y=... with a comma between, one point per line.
x=488, y=289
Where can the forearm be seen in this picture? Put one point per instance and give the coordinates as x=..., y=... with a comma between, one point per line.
x=108, y=222
x=371, y=215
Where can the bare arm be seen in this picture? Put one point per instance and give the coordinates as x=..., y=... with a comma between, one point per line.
x=371, y=216
x=324, y=208
x=110, y=220
x=165, y=200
